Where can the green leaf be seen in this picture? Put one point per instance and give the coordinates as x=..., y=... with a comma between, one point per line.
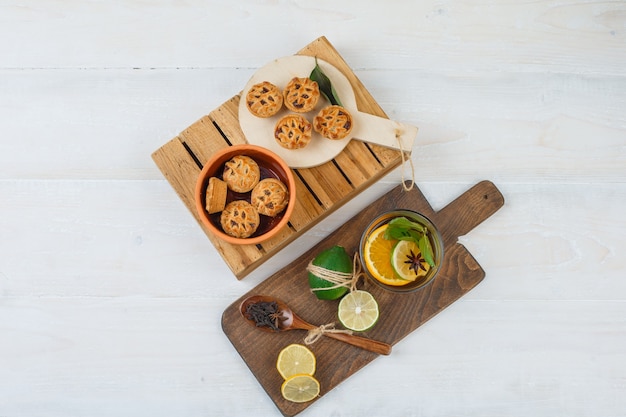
x=401, y=228
x=326, y=87
x=427, y=250
x=397, y=233
x=406, y=224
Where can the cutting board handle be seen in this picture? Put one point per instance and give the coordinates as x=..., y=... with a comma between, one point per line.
x=469, y=210
x=384, y=132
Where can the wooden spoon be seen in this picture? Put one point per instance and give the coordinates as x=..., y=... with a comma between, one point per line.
x=285, y=319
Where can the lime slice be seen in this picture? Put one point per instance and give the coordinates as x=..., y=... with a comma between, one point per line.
x=407, y=261
x=300, y=388
x=358, y=311
x=295, y=359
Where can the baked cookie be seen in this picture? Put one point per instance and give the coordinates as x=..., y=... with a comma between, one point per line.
x=333, y=122
x=241, y=173
x=239, y=219
x=293, y=131
x=301, y=94
x=216, y=195
x=270, y=196
x=264, y=99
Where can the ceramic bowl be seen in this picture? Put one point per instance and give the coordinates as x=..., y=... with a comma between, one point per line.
x=436, y=243
x=271, y=166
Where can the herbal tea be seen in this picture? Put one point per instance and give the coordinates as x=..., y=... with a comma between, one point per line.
x=401, y=250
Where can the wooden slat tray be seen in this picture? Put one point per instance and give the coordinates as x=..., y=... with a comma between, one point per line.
x=321, y=190
x=400, y=313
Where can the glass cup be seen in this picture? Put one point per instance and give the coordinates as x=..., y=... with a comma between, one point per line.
x=436, y=243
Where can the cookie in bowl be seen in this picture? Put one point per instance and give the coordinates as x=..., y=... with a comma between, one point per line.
x=241, y=173
x=216, y=193
x=293, y=131
x=239, y=219
x=301, y=94
x=333, y=122
x=270, y=197
x=264, y=99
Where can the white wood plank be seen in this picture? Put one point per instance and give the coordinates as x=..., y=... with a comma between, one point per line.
x=53, y=229
x=101, y=123
x=128, y=238
x=164, y=356
x=104, y=124
x=466, y=36
x=118, y=355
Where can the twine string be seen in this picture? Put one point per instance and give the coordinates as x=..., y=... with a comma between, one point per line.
x=314, y=334
x=337, y=278
x=404, y=160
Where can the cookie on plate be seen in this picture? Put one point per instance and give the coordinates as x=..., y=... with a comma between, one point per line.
x=293, y=131
x=241, y=173
x=270, y=197
x=216, y=193
x=239, y=219
x=301, y=95
x=264, y=99
x=333, y=122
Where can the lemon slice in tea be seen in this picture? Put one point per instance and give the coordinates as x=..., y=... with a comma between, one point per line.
x=295, y=359
x=300, y=388
x=407, y=261
x=358, y=311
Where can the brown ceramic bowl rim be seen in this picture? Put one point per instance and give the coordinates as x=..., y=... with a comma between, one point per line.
x=386, y=217
x=210, y=169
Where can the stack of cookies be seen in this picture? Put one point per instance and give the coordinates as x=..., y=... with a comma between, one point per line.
x=253, y=197
x=300, y=96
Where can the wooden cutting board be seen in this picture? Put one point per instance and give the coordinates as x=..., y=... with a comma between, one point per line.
x=400, y=314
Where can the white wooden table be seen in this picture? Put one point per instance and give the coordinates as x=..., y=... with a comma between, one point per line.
x=111, y=295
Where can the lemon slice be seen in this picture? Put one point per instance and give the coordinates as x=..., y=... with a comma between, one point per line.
x=377, y=258
x=358, y=311
x=407, y=261
x=295, y=359
x=300, y=388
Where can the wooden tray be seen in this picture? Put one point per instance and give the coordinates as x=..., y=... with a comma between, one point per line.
x=400, y=313
x=321, y=190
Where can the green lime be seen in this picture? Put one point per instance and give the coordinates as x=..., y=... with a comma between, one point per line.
x=333, y=259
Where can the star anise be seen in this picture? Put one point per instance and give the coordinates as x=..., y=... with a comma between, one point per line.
x=276, y=318
x=415, y=262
